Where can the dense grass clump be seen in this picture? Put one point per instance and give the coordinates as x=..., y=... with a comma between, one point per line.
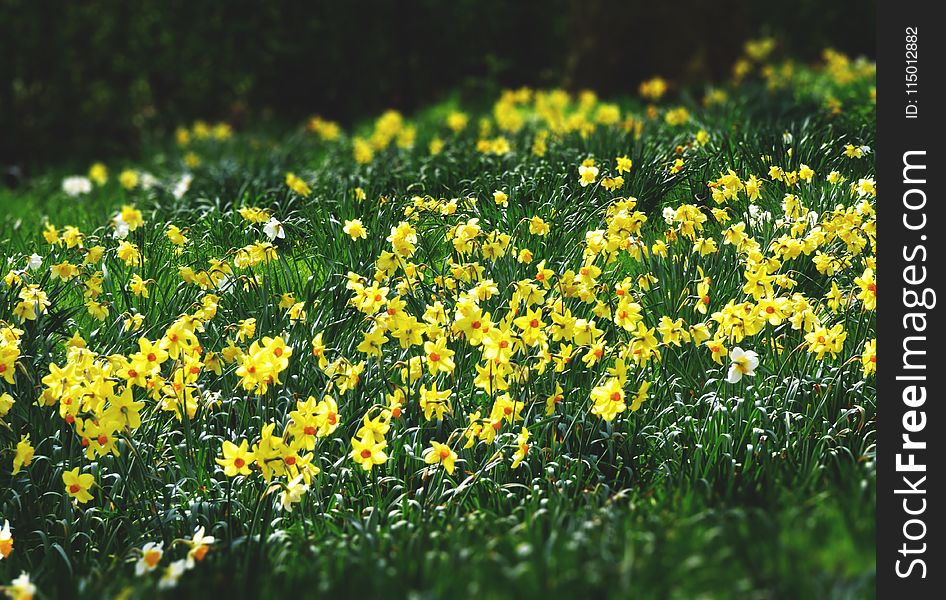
x=564, y=347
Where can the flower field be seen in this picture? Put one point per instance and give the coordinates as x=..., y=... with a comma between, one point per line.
x=556, y=345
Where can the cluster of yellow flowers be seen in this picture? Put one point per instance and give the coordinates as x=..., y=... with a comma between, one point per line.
x=468, y=315
x=535, y=330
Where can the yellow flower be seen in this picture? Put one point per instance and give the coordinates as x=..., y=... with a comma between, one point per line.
x=236, y=459
x=78, y=485
x=869, y=357
x=297, y=185
x=608, y=399
x=587, y=175
x=98, y=173
x=457, y=121
x=129, y=179
x=368, y=451
x=640, y=396
x=522, y=448
x=439, y=357
x=537, y=226
x=24, y=454
x=805, y=173
x=441, y=453
x=434, y=402
x=138, y=286
x=623, y=164
x=355, y=229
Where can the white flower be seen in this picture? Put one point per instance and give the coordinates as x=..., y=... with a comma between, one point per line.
x=226, y=283
x=199, y=544
x=293, y=493
x=121, y=227
x=21, y=587
x=76, y=185
x=172, y=574
x=181, y=187
x=34, y=262
x=6, y=540
x=274, y=229
x=757, y=216
x=147, y=181
x=744, y=362
x=669, y=214
x=151, y=554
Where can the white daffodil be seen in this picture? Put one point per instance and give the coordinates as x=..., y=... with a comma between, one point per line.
x=199, y=545
x=293, y=493
x=76, y=185
x=181, y=187
x=743, y=363
x=151, y=554
x=121, y=227
x=34, y=262
x=172, y=574
x=274, y=229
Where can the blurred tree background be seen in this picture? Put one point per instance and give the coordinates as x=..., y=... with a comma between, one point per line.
x=86, y=80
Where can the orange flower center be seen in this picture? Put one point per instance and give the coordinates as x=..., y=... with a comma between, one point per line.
x=74, y=488
x=239, y=463
x=616, y=397
x=366, y=453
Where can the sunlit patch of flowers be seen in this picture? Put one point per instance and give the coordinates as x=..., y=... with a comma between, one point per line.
x=453, y=334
